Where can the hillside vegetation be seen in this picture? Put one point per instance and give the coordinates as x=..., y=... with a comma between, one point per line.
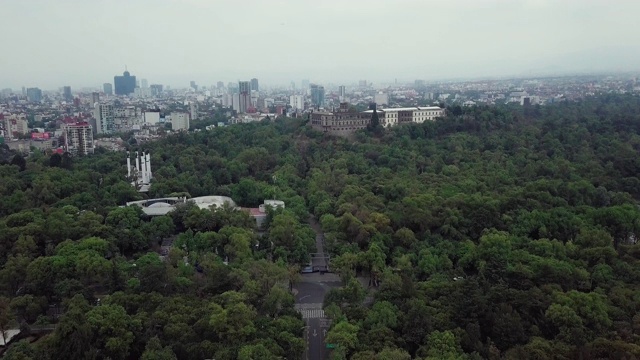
x=497, y=232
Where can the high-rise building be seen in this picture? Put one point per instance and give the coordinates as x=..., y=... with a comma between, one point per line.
x=34, y=95
x=293, y=85
x=193, y=85
x=244, y=99
x=107, y=88
x=141, y=92
x=193, y=110
x=78, y=138
x=362, y=83
x=235, y=102
x=125, y=84
x=104, y=117
x=179, y=121
x=5, y=93
x=297, y=102
x=304, y=84
x=342, y=91
x=317, y=95
x=144, y=83
x=254, y=85
x=156, y=89
x=95, y=98
x=67, y=93
x=244, y=86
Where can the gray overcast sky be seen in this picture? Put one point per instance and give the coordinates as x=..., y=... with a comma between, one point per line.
x=51, y=43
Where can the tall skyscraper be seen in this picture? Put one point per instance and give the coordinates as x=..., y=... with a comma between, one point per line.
x=244, y=89
x=34, y=95
x=125, y=84
x=254, y=85
x=156, y=89
x=342, y=90
x=317, y=95
x=232, y=88
x=193, y=110
x=66, y=92
x=107, y=88
x=95, y=98
x=244, y=86
x=193, y=85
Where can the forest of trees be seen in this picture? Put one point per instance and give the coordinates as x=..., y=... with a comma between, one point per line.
x=493, y=233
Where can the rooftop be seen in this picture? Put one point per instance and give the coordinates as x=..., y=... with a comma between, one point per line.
x=413, y=108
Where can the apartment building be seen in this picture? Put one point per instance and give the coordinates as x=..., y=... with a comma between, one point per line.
x=179, y=121
x=78, y=138
x=15, y=125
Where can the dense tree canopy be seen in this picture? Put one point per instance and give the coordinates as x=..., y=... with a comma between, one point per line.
x=490, y=233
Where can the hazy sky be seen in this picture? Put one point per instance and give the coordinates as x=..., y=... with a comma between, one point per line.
x=51, y=43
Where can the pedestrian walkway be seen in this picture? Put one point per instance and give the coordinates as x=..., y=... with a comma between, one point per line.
x=310, y=311
x=312, y=314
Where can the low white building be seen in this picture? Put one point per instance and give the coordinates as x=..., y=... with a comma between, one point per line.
x=163, y=206
x=151, y=117
x=394, y=116
x=424, y=113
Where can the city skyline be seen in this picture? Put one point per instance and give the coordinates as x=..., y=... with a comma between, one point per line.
x=405, y=39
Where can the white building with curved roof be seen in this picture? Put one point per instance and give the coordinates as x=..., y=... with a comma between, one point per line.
x=163, y=206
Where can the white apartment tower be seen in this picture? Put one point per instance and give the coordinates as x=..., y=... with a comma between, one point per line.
x=193, y=110
x=78, y=138
x=297, y=102
x=104, y=116
x=179, y=121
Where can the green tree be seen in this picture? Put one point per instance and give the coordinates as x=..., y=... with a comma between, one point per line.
x=344, y=335
x=155, y=351
x=443, y=345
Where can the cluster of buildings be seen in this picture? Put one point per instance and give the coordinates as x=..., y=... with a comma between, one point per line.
x=346, y=119
x=527, y=91
x=163, y=206
x=78, y=120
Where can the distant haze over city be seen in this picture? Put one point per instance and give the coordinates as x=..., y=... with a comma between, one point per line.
x=49, y=44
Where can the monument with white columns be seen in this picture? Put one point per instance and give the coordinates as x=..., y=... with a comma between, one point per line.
x=140, y=175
